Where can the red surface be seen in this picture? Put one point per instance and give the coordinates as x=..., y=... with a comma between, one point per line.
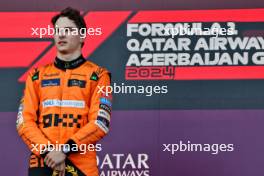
x=108, y=22
x=19, y=24
x=240, y=15
x=20, y=54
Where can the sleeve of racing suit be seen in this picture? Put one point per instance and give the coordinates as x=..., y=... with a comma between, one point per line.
x=98, y=116
x=28, y=114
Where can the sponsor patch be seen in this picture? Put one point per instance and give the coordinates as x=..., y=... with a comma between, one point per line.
x=104, y=114
x=101, y=125
x=64, y=120
x=20, y=119
x=105, y=107
x=76, y=82
x=105, y=101
x=63, y=103
x=78, y=74
x=51, y=74
x=94, y=77
x=104, y=121
x=35, y=76
x=50, y=82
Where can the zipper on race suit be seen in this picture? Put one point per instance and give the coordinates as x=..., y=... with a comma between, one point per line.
x=64, y=96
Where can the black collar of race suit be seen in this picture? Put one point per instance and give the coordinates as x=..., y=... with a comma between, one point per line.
x=63, y=65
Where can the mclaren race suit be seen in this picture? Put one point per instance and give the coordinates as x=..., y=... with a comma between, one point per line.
x=65, y=103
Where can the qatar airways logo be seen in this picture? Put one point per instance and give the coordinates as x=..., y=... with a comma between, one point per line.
x=121, y=164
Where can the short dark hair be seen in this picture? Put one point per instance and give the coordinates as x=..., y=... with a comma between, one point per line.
x=73, y=15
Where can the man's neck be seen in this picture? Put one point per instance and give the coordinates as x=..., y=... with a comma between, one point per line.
x=68, y=56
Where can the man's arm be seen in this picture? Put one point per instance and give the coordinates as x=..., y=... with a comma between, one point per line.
x=98, y=116
x=28, y=115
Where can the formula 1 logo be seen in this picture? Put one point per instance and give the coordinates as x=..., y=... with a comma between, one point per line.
x=21, y=49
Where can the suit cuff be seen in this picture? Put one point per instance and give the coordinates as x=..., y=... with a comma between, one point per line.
x=73, y=147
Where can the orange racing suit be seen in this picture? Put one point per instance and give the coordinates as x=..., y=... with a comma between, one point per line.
x=64, y=103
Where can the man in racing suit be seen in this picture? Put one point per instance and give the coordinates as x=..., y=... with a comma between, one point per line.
x=65, y=103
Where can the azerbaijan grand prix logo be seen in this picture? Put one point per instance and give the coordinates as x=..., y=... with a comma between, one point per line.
x=196, y=45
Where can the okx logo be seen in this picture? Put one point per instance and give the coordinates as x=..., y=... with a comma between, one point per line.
x=67, y=120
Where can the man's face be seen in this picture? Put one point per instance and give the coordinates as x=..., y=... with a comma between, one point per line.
x=67, y=40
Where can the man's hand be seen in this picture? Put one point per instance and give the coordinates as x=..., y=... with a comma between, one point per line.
x=60, y=168
x=54, y=158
